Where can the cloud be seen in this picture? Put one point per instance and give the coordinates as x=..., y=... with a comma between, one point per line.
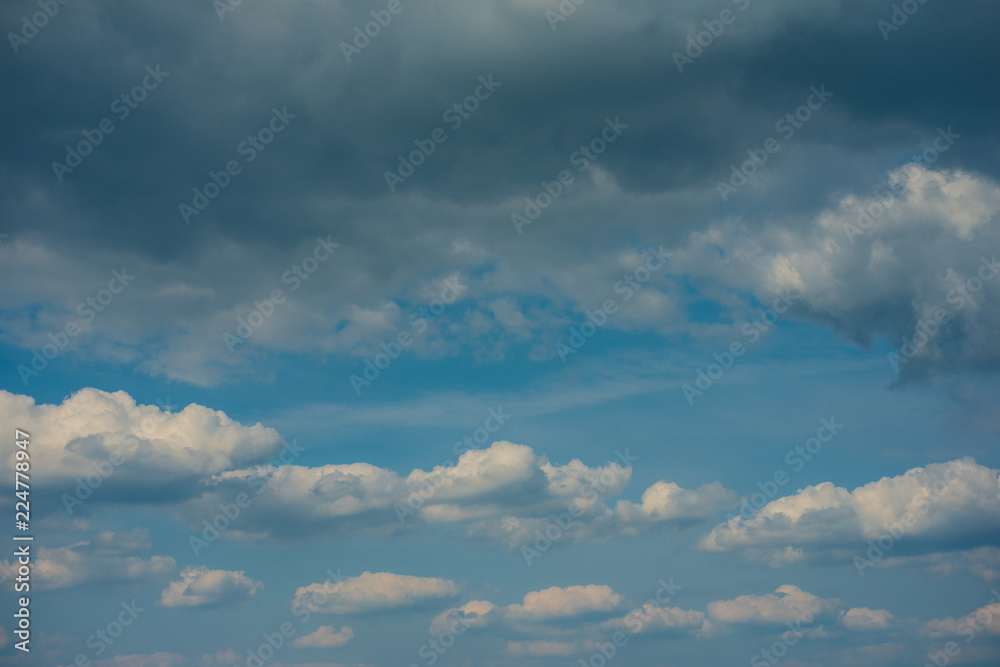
x=131, y=451
x=654, y=618
x=862, y=619
x=201, y=587
x=788, y=604
x=108, y=558
x=325, y=637
x=926, y=252
x=941, y=507
x=556, y=602
x=985, y=619
x=377, y=591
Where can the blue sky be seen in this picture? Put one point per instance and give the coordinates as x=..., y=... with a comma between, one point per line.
x=512, y=332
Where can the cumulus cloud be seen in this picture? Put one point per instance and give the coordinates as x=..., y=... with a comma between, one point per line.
x=941, y=507
x=201, y=587
x=374, y=592
x=325, y=637
x=131, y=450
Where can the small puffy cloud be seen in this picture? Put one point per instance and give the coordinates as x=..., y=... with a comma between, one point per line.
x=862, y=619
x=325, y=637
x=788, y=604
x=108, y=558
x=556, y=602
x=373, y=592
x=666, y=501
x=941, y=507
x=201, y=587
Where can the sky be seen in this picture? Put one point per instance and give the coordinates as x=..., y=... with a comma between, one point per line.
x=500, y=332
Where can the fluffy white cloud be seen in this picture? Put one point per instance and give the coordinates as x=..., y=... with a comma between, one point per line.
x=201, y=587
x=157, y=448
x=373, y=592
x=937, y=507
x=325, y=637
x=788, y=604
x=556, y=602
x=666, y=501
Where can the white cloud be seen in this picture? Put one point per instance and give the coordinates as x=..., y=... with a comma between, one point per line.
x=556, y=602
x=788, y=604
x=325, y=637
x=881, y=283
x=373, y=592
x=201, y=587
x=157, y=447
x=937, y=506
